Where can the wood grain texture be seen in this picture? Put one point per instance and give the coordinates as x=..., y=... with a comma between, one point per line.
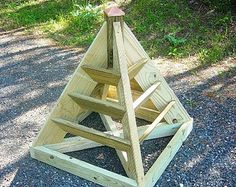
x=102, y=75
x=124, y=94
x=98, y=105
x=65, y=106
x=77, y=143
x=156, y=121
x=94, y=135
x=168, y=154
x=81, y=168
x=145, y=96
x=150, y=74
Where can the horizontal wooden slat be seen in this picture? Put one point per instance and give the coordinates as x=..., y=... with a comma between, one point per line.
x=81, y=168
x=94, y=135
x=146, y=114
x=145, y=96
x=156, y=122
x=135, y=68
x=77, y=143
x=97, y=105
x=102, y=75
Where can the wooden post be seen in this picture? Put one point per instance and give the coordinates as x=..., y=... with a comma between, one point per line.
x=112, y=14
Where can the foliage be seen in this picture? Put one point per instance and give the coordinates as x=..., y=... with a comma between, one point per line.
x=171, y=28
x=219, y=5
x=174, y=29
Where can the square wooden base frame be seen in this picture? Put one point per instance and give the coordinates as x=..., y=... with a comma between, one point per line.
x=107, y=178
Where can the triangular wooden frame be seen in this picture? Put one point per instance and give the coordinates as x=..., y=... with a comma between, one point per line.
x=89, y=90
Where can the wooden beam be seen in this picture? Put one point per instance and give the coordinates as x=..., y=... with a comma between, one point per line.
x=125, y=98
x=156, y=121
x=73, y=144
x=145, y=96
x=101, y=75
x=110, y=125
x=77, y=143
x=146, y=114
x=112, y=14
x=150, y=74
x=135, y=68
x=94, y=135
x=79, y=82
x=97, y=105
x=168, y=154
x=81, y=168
x=135, y=95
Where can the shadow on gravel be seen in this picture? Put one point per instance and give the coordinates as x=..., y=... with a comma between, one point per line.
x=32, y=77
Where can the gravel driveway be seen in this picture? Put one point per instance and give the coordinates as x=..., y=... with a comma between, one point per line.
x=33, y=73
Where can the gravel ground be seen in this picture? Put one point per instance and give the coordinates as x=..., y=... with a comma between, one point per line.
x=33, y=73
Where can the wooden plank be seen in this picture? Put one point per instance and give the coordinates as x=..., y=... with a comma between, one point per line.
x=81, y=83
x=98, y=105
x=145, y=96
x=102, y=75
x=94, y=135
x=112, y=93
x=77, y=143
x=129, y=123
x=77, y=167
x=146, y=114
x=73, y=144
x=135, y=68
x=168, y=154
x=150, y=74
x=156, y=121
x=142, y=112
x=135, y=86
x=110, y=125
x=112, y=14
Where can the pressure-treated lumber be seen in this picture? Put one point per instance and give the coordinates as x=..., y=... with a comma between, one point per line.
x=73, y=144
x=156, y=121
x=112, y=93
x=135, y=68
x=130, y=87
x=145, y=96
x=110, y=125
x=142, y=112
x=102, y=75
x=92, y=134
x=81, y=168
x=146, y=114
x=125, y=98
x=98, y=105
x=150, y=74
x=77, y=143
x=65, y=106
x=111, y=15
x=167, y=154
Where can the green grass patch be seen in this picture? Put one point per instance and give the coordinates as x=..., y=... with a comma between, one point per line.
x=172, y=29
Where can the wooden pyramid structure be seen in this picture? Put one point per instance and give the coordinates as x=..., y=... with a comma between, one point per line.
x=117, y=79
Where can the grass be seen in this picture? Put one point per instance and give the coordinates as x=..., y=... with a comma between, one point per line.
x=172, y=29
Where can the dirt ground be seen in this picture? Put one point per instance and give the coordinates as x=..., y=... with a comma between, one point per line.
x=33, y=73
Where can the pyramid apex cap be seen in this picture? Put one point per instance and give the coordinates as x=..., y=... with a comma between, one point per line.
x=113, y=11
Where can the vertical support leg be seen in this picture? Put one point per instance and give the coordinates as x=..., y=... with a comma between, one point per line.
x=135, y=165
